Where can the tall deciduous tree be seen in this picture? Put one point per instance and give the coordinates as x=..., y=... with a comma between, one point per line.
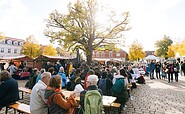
x=50, y=50
x=162, y=46
x=136, y=51
x=79, y=28
x=31, y=47
x=171, y=52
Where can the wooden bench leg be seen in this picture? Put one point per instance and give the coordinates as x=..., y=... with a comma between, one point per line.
x=6, y=111
x=22, y=94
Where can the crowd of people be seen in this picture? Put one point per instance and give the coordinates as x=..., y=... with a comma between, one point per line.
x=166, y=70
x=85, y=81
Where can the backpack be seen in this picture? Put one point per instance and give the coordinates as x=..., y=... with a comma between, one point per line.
x=118, y=86
x=103, y=85
x=93, y=103
x=54, y=108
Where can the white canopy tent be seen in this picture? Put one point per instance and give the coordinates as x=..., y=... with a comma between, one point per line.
x=151, y=57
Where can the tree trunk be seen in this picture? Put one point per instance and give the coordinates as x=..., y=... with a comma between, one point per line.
x=89, y=57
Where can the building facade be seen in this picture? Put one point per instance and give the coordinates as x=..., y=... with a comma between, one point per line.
x=110, y=55
x=10, y=47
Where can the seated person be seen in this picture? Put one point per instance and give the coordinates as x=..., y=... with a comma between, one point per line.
x=120, y=88
x=9, y=92
x=91, y=95
x=56, y=101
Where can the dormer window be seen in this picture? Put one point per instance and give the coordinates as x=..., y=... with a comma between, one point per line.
x=15, y=43
x=9, y=42
x=20, y=43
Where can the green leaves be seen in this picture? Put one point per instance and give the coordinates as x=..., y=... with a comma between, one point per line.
x=78, y=28
x=162, y=46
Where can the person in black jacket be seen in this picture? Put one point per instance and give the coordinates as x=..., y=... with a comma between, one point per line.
x=9, y=92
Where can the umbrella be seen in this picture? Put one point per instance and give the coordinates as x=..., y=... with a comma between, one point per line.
x=151, y=57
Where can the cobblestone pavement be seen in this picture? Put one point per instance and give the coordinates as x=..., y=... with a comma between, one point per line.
x=158, y=97
x=155, y=97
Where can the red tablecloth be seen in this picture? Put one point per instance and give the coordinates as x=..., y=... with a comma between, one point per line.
x=24, y=74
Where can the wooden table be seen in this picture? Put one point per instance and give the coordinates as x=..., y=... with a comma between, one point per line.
x=26, y=90
x=24, y=108
x=107, y=100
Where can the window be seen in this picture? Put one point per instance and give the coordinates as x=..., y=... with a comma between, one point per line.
x=15, y=50
x=9, y=50
x=97, y=54
x=117, y=54
x=15, y=43
x=110, y=54
x=9, y=42
x=2, y=50
x=20, y=43
x=102, y=54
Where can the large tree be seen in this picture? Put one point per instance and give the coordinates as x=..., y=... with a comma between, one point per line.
x=49, y=50
x=31, y=47
x=79, y=28
x=179, y=47
x=136, y=51
x=162, y=46
x=171, y=52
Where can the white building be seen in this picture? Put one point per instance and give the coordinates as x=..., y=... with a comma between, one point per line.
x=10, y=47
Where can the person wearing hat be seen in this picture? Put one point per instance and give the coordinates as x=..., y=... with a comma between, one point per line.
x=91, y=84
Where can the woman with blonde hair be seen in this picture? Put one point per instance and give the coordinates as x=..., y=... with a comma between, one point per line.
x=56, y=101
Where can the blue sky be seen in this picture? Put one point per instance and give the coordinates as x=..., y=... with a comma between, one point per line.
x=150, y=19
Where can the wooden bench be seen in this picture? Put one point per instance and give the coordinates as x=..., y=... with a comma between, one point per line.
x=116, y=105
x=26, y=90
x=19, y=107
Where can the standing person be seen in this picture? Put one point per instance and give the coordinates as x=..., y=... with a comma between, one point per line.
x=152, y=67
x=91, y=95
x=170, y=68
x=9, y=92
x=38, y=103
x=56, y=101
x=183, y=67
x=176, y=71
x=158, y=70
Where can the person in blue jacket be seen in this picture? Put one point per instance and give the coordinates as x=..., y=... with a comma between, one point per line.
x=63, y=76
x=152, y=67
x=9, y=92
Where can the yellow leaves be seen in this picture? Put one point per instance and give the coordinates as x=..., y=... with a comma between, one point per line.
x=136, y=51
x=170, y=52
x=31, y=48
x=50, y=50
x=179, y=47
x=1, y=35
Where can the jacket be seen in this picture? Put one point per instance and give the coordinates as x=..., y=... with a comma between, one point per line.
x=38, y=104
x=9, y=92
x=58, y=104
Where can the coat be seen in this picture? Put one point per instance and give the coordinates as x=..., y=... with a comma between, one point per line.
x=9, y=92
